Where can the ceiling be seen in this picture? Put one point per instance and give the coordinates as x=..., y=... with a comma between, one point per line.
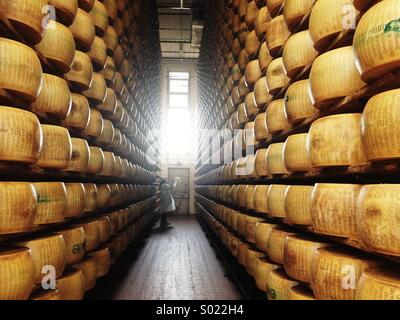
x=181, y=27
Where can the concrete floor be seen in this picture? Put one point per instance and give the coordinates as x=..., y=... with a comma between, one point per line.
x=175, y=264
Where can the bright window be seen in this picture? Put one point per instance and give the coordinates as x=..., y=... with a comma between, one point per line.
x=178, y=131
x=178, y=89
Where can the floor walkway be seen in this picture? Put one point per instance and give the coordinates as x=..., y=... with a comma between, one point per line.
x=174, y=264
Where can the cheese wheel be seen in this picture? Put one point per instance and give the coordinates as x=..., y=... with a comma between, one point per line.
x=76, y=199
x=251, y=260
x=74, y=239
x=46, y=251
x=91, y=235
x=276, y=118
x=298, y=53
x=26, y=17
x=83, y=31
x=276, y=77
x=21, y=70
x=298, y=204
x=277, y=34
x=107, y=135
x=71, y=285
x=264, y=58
x=276, y=244
x=326, y=89
x=260, y=127
x=250, y=105
x=261, y=23
x=51, y=202
x=377, y=218
x=336, y=141
x=243, y=89
x=95, y=126
x=112, y=10
x=276, y=200
x=104, y=226
x=91, y=197
x=379, y=127
x=328, y=19
x=17, y=207
x=65, y=10
x=97, y=90
x=376, y=30
x=81, y=73
x=242, y=117
x=295, y=153
x=262, y=269
x=299, y=255
x=57, y=46
x=88, y=266
x=80, y=155
x=99, y=17
x=333, y=209
x=103, y=260
x=275, y=159
x=379, y=284
x=103, y=196
x=250, y=227
x=242, y=9
x=46, y=295
x=242, y=252
x=250, y=198
x=252, y=44
x=298, y=104
x=96, y=160
x=261, y=94
x=16, y=273
x=78, y=118
x=261, y=165
x=111, y=40
x=260, y=198
x=279, y=285
x=98, y=53
x=251, y=14
x=252, y=73
x=300, y=292
x=119, y=56
x=109, y=106
x=295, y=10
x=54, y=99
x=336, y=272
x=109, y=71
x=262, y=231
x=86, y=5
x=57, y=148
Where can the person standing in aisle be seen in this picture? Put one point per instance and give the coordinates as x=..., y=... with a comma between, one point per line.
x=167, y=202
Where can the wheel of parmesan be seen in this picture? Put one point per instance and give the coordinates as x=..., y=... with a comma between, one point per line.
x=264, y=58
x=112, y=10
x=74, y=239
x=300, y=292
x=261, y=165
x=276, y=201
x=107, y=134
x=275, y=159
x=91, y=197
x=299, y=255
x=83, y=31
x=86, y=5
x=109, y=71
x=111, y=40
x=242, y=252
x=336, y=141
x=276, y=244
x=81, y=73
x=274, y=6
x=377, y=218
x=250, y=105
x=276, y=117
x=104, y=226
x=46, y=251
x=97, y=91
x=261, y=94
x=57, y=46
x=260, y=128
x=276, y=77
x=65, y=10
x=262, y=269
x=51, y=202
x=91, y=235
x=99, y=17
x=328, y=19
x=54, y=99
x=279, y=285
x=252, y=45
x=260, y=198
x=79, y=115
x=76, y=199
x=262, y=231
x=298, y=53
x=326, y=87
x=262, y=20
x=298, y=103
x=379, y=123
x=98, y=54
x=295, y=10
x=71, y=285
x=80, y=155
x=252, y=73
x=298, y=204
x=379, y=284
x=20, y=69
x=103, y=260
x=88, y=266
x=96, y=160
x=295, y=153
x=277, y=34
x=333, y=209
x=251, y=14
x=16, y=273
x=251, y=260
x=336, y=272
x=26, y=16
x=95, y=126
